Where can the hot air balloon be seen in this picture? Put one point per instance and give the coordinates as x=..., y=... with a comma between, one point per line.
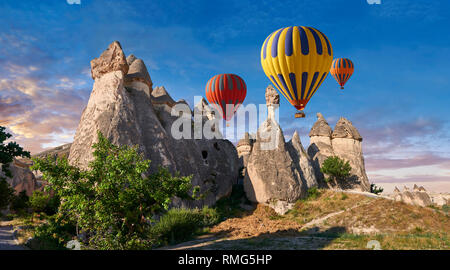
x=297, y=59
x=342, y=69
x=226, y=89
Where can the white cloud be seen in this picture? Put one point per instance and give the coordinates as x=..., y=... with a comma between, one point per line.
x=76, y=2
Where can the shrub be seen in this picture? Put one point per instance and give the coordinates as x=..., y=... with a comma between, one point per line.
x=113, y=200
x=337, y=168
x=376, y=190
x=313, y=193
x=178, y=225
x=54, y=234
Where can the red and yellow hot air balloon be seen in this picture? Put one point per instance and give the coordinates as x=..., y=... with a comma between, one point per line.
x=226, y=92
x=342, y=69
x=297, y=60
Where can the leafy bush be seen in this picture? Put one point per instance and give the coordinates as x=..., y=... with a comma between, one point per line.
x=337, y=168
x=54, y=234
x=376, y=190
x=178, y=225
x=7, y=153
x=113, y=201
x=20, y=202
x=38, y=201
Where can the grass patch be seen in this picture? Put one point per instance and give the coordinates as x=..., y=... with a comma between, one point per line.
x=321, y=202
x=179, y=225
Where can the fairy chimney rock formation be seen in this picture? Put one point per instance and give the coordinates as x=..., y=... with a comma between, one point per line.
x=126, y=115
x=416, y=196
x=345, y=142
x=137, y=76
x=277, y=173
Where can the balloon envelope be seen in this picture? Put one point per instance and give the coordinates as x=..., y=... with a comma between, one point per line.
x=226, y=92
x=297, y=60
x=342, y=69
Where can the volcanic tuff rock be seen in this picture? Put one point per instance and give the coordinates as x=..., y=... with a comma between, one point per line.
x=22, y=178
x=418, y=196
x=130, y=113
x=277, y=173
x=138, y=76
x=113, y=59
x=344, y=142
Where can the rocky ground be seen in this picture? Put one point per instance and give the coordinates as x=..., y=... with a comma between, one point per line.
x=333, y=220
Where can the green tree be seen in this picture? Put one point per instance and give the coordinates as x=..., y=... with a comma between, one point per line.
x=38, y=201
x=7, y=153
x=337, y=168
x=115, y=199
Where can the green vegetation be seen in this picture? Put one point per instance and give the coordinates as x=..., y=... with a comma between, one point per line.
x=313, y=193
x=179, y=225
x=19, y=203
x=376, y=190
x=38, y=201
x=54, y=234
x=7, y=153
x=6, y=193
x=112, y=201
x=230, y=206
x=336, y=168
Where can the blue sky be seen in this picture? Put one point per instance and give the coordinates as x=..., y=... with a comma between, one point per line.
x=398, y=96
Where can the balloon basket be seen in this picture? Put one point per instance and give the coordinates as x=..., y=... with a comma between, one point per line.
x=300, y=115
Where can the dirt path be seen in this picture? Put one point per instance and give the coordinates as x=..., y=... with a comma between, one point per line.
x=7, y=241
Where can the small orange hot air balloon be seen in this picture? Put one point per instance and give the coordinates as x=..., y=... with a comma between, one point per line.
x=342, y=69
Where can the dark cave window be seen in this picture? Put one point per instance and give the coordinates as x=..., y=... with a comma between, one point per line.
x=204, y=154
x=216, y=146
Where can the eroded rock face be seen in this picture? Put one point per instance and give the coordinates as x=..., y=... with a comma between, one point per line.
x=320, y=147
x=345, y=142
x=138, y=77
x=113, y=59
x=127, y=115
x=22, y=178
x=277, y=173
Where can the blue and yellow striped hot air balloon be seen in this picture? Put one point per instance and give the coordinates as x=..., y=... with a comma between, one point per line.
x=297, y=60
